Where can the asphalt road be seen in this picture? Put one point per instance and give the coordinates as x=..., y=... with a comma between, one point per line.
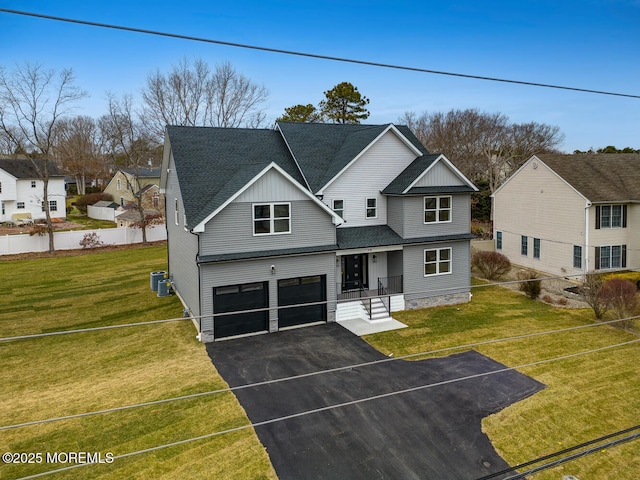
x=429, y=433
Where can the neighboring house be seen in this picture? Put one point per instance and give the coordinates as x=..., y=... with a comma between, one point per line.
x=310, y=213
x=571, y=214
x=22, y=191
x=124, y=186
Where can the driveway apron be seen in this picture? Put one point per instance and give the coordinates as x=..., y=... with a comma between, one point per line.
x=427, y=433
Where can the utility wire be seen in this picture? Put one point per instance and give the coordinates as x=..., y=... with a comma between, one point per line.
x=341, y=405
x=562, y=452
x=309, y=55
x=304, y=375
x=282, y=307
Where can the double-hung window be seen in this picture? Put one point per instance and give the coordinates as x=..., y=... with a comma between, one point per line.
x=524, y=245
x=611, y=256
x=437, y=209
x=536, y=248
x=372, y=207
x=437, y=261
x=611, y=216
x=577, y=256
x=20, y=205
x=33, y=184
x=498, y=240
x=338, y=207
x=271, y=218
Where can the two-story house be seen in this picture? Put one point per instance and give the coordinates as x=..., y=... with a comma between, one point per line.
x=571, y=214
x=264, y=221
x=22, y=190
x=127, y=184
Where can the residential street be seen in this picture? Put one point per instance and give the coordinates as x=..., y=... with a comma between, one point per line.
x=430, y=433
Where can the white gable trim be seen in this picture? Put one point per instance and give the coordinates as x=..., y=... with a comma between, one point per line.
x=391, y=127
x=336, y=219
x=526, y=164
x=451, y=166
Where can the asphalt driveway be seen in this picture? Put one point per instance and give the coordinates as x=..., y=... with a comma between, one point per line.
x=431, y=433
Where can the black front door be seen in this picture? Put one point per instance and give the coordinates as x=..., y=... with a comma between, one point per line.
x=354, y=271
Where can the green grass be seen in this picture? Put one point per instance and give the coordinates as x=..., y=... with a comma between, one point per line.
x=586, y=396
x=68, y=374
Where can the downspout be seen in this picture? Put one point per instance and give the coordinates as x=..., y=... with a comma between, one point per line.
x=586, y=237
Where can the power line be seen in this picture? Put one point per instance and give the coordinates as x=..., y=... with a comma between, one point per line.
x=310, y=55
x=305, y=375
x=341, y=405
x=567, y=450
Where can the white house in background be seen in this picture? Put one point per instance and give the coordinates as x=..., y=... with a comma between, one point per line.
x=571, y=214
x=22, y=190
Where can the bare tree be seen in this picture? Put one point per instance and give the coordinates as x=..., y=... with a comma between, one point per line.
x=194, y=95
x=33, y=101
x=79, y=149
x=126, y=136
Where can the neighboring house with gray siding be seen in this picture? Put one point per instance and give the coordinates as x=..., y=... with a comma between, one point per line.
x=310, y=214
x=571, y=214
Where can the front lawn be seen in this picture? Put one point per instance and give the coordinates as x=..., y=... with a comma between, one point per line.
x=586, y=397
x=69, y=374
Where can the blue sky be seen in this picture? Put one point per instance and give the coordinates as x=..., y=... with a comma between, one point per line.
x=592, y=44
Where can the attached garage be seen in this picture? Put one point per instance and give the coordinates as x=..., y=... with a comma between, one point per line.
x=294, y=291
x=234, y=298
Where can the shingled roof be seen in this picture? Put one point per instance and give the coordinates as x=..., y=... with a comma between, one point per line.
x=26, y=169
x=600, y=178
x=213, y=163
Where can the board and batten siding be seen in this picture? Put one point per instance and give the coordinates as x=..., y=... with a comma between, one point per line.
x=440, y=174
x=231, y=230
x=536, y=203
x=417, y=285
x=259, y=270
x=367, y=177
x=182, y=247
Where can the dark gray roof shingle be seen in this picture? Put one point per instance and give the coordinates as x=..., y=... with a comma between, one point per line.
x=409, y=174
x=603, y=177
x=212, y=163
x=25, y=169
x=383, y=235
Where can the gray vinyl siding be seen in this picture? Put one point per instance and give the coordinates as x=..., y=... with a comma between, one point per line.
x=394, y=263
x=439, y=175
x=259, y=270
x=182, y=247
x=231, y=231
x=395, y=213
x=416, y=285
x=413, y=217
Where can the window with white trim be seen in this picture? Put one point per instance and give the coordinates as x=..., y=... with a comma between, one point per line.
x=0, y=187
x=577, y=256
x=611, y=256
x=33, y=184
x=524, y=245
x=498, y=240
x=536, y=248
x=118, y=185
x=437, y=209
x=175, y=212
x=437, y=261
x=338, y=207
x=372, y=207
x=20, y=205
x=611, y=216
x=271, y=218
x=53, y=205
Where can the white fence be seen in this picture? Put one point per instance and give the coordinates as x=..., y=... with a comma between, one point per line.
x=101, y=213
x=11, y=244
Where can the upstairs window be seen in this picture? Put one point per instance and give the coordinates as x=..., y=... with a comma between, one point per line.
x=372, y=207
x=611, y=216
x=338, y=207
x=437, y=209
x=0, y=187
x=271, y=218
x=20, y=205
x=118, y=184
x=33, y=184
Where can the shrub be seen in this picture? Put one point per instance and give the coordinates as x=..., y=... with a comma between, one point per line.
x=530, y=284
x=621, y=298
x=590, y=291
x=563, y=301
x=85, y=200
x=91, y=240
x=491, y=265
